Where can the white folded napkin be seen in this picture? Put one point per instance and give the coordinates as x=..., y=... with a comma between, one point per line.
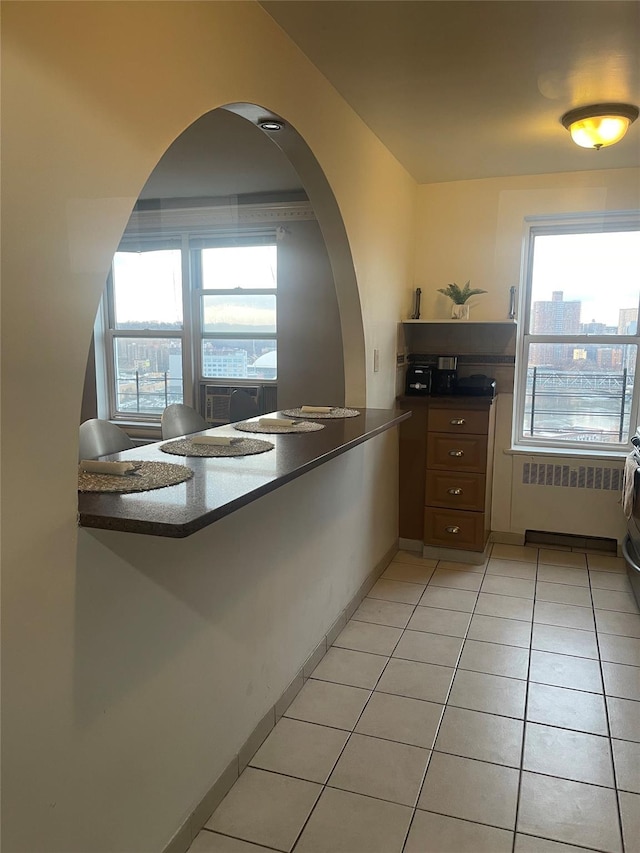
x=222, y=440
x=277, y=422
x=323, y=409
x=91, y=466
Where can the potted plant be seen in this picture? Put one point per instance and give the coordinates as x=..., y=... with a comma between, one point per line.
x=459, y=297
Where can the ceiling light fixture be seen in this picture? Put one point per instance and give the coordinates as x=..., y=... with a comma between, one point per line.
x=599, y=125
x=270, y=124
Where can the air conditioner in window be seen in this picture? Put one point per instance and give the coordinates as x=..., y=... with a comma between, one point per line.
x=269, y=396
x=215, y=400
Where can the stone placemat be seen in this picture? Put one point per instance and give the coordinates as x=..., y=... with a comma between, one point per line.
x=255, y=426
x=336, y=412
x=240, y=447
x=149, y=475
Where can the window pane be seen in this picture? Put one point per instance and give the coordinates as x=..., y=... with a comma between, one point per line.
x=228, y=359
x=585, y=284
x=579, y=393
x=147, y=289
x=148, y=374
x=248, y=267
x=239, y=314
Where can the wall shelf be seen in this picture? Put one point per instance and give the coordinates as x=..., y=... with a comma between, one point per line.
x=460, y=322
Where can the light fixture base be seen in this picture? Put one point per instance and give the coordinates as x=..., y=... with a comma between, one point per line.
x=271, y=124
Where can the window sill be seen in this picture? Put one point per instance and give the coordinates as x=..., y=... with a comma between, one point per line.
x=568, y=453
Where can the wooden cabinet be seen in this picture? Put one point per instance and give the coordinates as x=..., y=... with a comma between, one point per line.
x=450, y=478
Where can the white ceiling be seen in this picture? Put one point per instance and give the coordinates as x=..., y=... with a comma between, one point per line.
x=460, y=90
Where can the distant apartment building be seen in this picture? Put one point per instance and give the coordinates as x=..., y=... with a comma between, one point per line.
x=627, y=321
x=554, y=317
x=628, y=325
x=230, y=364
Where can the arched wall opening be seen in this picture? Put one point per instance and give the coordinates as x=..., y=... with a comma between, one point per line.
x=226, y=162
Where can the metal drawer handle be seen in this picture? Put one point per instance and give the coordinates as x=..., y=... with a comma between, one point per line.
x=457, y=421
x=454, y=491
x=456, y=453
x=452, y=529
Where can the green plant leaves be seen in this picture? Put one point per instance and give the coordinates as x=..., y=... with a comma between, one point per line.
x=460, y=295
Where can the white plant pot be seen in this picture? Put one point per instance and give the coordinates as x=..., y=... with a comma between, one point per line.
x=460, y=312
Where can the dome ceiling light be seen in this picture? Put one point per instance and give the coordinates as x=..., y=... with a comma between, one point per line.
x=599, y=125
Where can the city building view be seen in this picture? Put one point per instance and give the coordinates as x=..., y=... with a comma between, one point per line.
x=147, y=295
x=149, y=370
x=580, y=392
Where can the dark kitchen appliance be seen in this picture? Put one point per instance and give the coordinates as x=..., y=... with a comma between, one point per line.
x=477, y=385
x=418, y=381
x=445, y=378
x=631, y=544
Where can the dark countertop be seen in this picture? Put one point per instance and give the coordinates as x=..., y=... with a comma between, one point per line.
x=222, y=485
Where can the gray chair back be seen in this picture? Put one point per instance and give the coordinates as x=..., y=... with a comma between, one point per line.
x=99, y=437
x=241, y=406
x=178, y=419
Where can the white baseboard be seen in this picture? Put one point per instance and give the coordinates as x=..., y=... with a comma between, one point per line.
x=410, y=545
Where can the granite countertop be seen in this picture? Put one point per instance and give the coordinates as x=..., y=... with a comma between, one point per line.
x=220, y=486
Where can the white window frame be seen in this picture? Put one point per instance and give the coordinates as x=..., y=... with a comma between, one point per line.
x=216, y=240
x=223, y=224
x=110, y=333
x=569, y=224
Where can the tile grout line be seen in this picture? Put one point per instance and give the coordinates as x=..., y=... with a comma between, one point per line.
x=415, y=606
x=606, y=711
x=445, y=706
x=526, y=709
x=352, y=731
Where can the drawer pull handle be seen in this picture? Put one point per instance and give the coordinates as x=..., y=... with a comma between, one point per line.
x=456, y=453
x=453, y=530
x=457, y=421
x=455, y=491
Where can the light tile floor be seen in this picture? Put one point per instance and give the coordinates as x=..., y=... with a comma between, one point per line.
x=463, y=709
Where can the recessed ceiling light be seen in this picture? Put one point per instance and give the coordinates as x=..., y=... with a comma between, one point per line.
x=270, y=124
x=599, y=125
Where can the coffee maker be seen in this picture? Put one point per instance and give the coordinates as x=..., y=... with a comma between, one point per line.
x=446, y=375
x=418, y=380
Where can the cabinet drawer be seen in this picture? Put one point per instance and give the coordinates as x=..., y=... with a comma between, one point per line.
x=459, y=490
x=457, y=453
x=460, y=421
x=454, y=529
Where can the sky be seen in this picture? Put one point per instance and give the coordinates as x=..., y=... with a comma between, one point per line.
x=600, y=270
x=148, y=284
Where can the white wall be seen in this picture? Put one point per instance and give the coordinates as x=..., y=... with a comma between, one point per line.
x=474, y=230
x=105, y=637
x=181, y=647
x=310, y=353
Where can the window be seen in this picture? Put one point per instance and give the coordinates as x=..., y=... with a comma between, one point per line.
x=181, y=310
x=237, y=291
x=578, y=343
x=145, y=329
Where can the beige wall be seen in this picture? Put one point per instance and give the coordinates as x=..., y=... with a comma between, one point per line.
x=105, y=721
x=474, y=230
x=310, y=354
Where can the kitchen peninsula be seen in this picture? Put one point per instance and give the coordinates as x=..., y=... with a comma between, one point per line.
x=220, y=486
